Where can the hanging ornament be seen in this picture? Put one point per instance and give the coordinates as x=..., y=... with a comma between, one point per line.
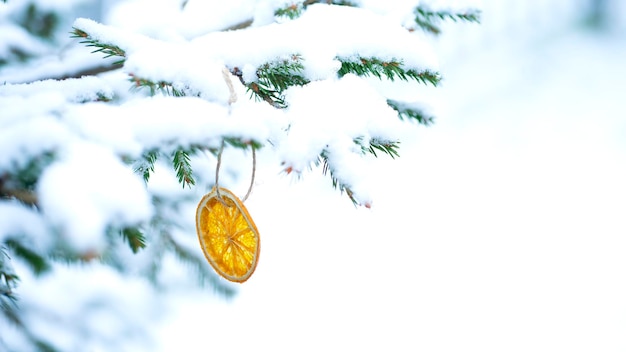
x=228, y=236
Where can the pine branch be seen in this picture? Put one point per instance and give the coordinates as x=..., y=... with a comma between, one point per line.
x=8, y=281
x=292, y=11
x=389, y=69
x=134, y=237
x=21, y=182
x=295, y=9
x=37, y=263
x=182, y=165
x=41, y=23
x=166, y=88
x=389, y=148
x=242, y=144
x=107, y=49
x=327, y=170
x=145, y=166
x=274, y=78
x=24, y=196
x=429, y=20
x=12, y=314
x=331, y=2
x=410, y=113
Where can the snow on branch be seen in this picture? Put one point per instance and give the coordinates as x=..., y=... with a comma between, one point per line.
x=429, y=19
x=91, y=168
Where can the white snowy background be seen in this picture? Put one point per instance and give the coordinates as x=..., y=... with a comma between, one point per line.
x=500, y=228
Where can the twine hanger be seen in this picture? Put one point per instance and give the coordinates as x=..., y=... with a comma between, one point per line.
x=217, y=174
x=232, y=99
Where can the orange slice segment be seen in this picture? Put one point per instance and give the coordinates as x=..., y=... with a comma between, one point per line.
x=228, y=236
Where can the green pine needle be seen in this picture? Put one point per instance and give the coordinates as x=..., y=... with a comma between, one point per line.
x=166, y=88
x=182, y=165
x=37, y=263
x=8, y=281
x=389, y=148
x=337, y=184
x=292, y=11
x=145, y=166
x=410, y=113
x=108, y=50
x=134, y=237
x=429, y=20
x=274, y=78
x=242, y=144
x=389, y=69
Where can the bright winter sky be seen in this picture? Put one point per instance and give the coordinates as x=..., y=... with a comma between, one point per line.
x=501, y=227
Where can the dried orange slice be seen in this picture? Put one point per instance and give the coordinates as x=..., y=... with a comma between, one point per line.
x=228, y=236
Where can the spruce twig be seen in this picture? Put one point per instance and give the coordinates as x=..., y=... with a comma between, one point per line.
x=37, y=262
x=164, y=87
x=134, y=237
x=107, y=49
x=389, y=69
x=389, y=148
x=296, y=8
x=429, y=20
x=8, y=281
x=273, y=78
x=145, y=166
x=337, y=184
x=291, y=11
x=182, y=165
x=411, y=113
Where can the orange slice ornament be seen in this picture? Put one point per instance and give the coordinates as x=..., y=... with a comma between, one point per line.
x=228, y=236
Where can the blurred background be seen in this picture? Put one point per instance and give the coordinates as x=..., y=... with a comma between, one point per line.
x=500, y=228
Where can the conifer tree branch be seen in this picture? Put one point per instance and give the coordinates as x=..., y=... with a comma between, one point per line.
x=410, y=113
x=166, y=88
x=273, y=78
x=242, y=144
x=389, y=69
x=145, y=166
x=134, y=237
x=389, y=148
x=37, y=262
x=337, y=184
x=107, y=49
x=291, y=11
x=182, y=165
x=24, y=196
x=241, y=25
x=429, y=20
x=295, y=9
x=8, y=281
